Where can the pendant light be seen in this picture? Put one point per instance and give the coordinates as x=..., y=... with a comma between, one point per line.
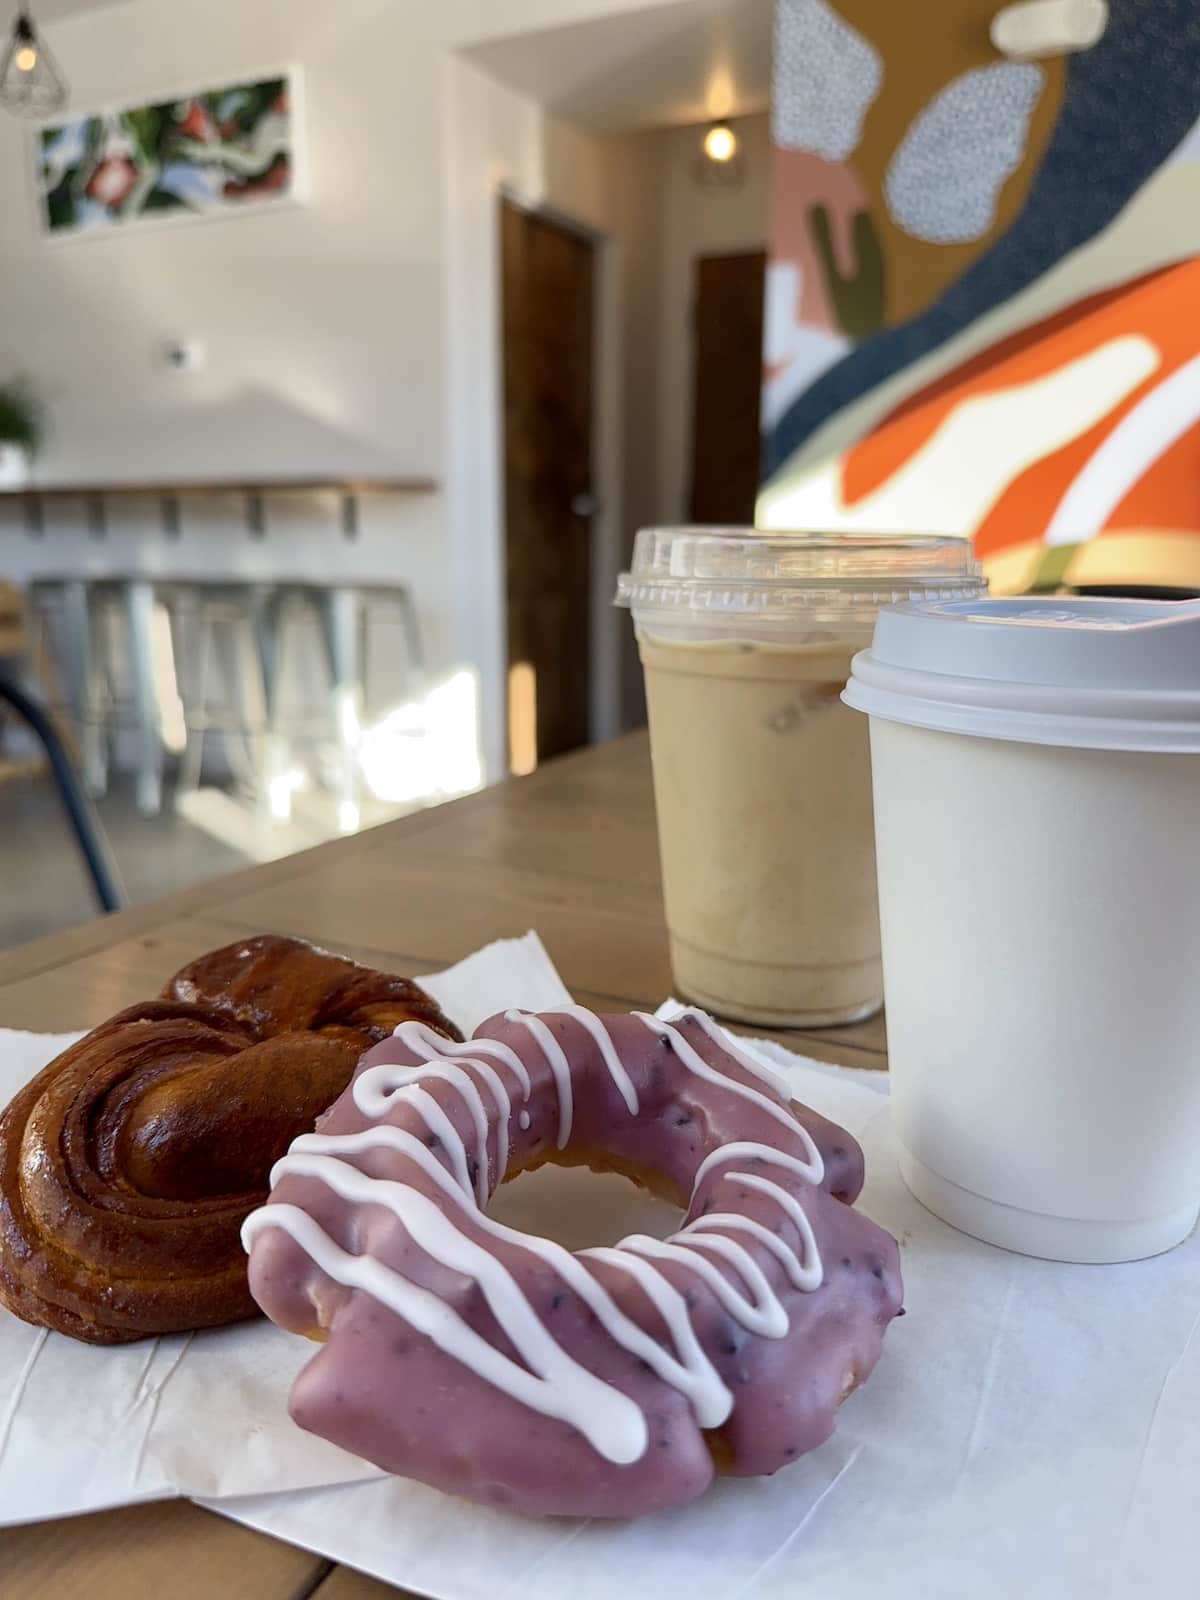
x=31, y=84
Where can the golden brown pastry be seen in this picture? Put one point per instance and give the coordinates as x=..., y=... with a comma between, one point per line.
x=129, y=1164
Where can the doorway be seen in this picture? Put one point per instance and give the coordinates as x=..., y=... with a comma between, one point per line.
x=727, y=313
x=548, y=275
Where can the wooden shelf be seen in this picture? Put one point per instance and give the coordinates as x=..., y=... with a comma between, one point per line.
x=177, y=489
x=169, y=495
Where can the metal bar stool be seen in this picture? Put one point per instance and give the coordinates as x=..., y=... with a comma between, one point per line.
x=87, y=612
x=109, y=645
x=125, y=606
x=227, y=624
x=345, y=614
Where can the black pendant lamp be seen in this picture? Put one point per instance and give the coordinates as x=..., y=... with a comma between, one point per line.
x=31, y=84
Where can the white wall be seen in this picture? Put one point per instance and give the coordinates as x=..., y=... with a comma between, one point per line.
x=331, y=345
x=697, y=222
x=500, y=143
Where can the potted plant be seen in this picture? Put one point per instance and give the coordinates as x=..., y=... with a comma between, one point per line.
x=20, y=432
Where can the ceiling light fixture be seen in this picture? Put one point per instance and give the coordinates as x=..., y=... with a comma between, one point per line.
x=720, y=165
x=31, y=84
x=720, y=142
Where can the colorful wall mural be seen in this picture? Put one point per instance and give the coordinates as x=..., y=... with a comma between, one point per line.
x=983, y=300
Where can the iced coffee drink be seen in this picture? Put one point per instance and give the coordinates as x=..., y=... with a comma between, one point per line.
x=761, y=775
x=753, y=748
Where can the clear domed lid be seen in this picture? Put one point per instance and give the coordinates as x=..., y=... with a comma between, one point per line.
x=725, y=576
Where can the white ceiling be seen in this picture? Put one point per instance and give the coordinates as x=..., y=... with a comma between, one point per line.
x=52, y=10
x=676, y=63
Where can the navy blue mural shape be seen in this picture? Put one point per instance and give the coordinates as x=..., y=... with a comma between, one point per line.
x=1129, y=102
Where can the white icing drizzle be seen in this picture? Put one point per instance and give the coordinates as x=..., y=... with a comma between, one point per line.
x=504, y=1110
x=690, y=1371
x=730, y=1219
x=374, y=1090
x=523, y=1121
x=748, y=1150
x=737, y=1049
x=379, y=1136
x=612, y=1423
x=764, y=1315
x=550, y=1381
x=430, y=1046
x=695, y=1062
x=616, y=1067
x=811, y=1272
x=710, y=1398
x=693, y=1374
x=435, y=1120
x=559, y=1066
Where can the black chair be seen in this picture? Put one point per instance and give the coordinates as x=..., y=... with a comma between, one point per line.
x=81, y=814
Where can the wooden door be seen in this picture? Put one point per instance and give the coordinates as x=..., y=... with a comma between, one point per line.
x=726, y=386
x=547, y=330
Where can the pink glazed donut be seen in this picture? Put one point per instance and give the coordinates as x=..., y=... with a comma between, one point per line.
x=607, y=1382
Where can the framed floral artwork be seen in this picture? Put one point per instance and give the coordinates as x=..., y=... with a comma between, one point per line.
x=210, y=153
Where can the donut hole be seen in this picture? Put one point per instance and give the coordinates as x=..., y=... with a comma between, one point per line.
x=580, y=1206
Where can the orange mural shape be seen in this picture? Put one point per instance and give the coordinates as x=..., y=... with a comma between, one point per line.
x=1168, y=495
x=1158, y=307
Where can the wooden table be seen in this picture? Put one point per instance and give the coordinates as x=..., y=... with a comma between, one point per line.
x=570, y=851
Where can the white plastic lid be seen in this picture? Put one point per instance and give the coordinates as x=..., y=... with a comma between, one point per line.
x=1095, y=674
x=717, y=580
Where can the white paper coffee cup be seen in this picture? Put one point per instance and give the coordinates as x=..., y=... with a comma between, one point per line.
x=1036, y=774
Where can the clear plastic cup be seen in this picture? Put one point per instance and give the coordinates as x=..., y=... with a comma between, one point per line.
x=761, y=775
